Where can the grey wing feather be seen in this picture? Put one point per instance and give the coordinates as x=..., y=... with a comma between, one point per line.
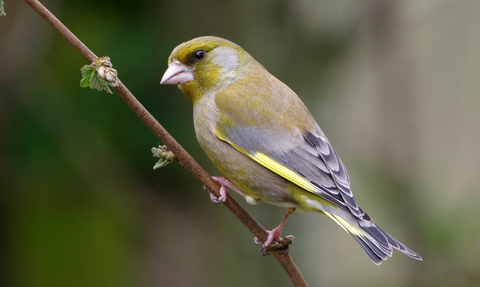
x=308, y=154
x=337, y=170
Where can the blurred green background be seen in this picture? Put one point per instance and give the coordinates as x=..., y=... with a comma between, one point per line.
x=395, y=85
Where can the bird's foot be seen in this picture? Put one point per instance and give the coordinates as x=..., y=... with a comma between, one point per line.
x=273, y=243
x=224, y=183
x=274, y=235
x=227, y=183
x=217, y=199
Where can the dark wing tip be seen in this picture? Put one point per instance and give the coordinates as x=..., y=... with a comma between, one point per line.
x=372, y=254
x=384, y=242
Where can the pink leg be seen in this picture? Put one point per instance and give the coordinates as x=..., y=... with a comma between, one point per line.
x=275, y=233
x=224, y=182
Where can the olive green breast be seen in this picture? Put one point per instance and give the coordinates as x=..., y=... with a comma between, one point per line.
x=252, y=178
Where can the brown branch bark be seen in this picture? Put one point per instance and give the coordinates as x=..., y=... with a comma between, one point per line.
x=183, y=157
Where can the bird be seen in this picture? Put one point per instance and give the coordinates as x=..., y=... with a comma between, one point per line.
x=266, y=143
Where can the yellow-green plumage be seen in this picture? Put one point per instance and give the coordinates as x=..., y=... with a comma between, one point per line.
x=261, y=136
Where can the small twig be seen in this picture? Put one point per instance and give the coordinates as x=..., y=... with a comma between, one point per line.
x=183, y=157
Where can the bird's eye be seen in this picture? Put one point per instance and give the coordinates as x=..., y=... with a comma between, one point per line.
x=199, y=54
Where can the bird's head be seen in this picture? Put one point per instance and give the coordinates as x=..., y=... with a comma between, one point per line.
x=205, y=65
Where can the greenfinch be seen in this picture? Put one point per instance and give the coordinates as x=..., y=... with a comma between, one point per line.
x=264, y=140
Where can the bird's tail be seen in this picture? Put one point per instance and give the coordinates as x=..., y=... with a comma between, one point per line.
x=376, y=242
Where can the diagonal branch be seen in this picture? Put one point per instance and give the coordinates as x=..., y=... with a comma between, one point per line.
x=183, y=157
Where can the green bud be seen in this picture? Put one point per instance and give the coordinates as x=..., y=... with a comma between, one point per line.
x=99, y=75
x=164, y=154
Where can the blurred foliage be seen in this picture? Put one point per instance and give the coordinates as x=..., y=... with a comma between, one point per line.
x=394, y=85
x=2, y=9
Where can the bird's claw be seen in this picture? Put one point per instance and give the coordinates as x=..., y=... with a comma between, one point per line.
x=217, y=199
x=274, y=243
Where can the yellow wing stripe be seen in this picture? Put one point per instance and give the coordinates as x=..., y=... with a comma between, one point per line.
x=274, y=166
x=344, y=224
x=284, y=172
